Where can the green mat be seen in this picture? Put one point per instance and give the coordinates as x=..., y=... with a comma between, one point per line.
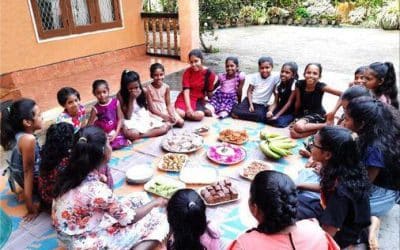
x=6, y=227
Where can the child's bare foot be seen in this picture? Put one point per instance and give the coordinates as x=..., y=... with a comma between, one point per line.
x=373, y=233
x=304, y=152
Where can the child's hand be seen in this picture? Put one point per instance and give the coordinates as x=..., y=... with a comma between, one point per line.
x=160, y=202
x=330, y=118
x=31, y=215
x=269, y=114
x=251, y=108
x=190, y=112
x=274, y=117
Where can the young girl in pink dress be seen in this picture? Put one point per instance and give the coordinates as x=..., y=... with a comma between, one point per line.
x=74, y=112
x=159, y=98
x=230, y=90
x=107, y=114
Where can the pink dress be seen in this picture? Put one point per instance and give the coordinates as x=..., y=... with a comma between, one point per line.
x=107, y=119
x=158, y=98
x=307, y=235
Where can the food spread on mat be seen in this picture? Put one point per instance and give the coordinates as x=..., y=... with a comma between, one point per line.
x=233, y=136
x=275, y=146
x=254, y=168
x=163, y=186
x=219, y=193
x=183, y=143
x=226, y=154
x=173, y=162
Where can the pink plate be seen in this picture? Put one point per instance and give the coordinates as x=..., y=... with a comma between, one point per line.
x=226, y=154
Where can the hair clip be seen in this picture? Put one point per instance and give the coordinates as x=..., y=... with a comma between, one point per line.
x=82, y=139
x=191, y=204
x=126, y=71
x=9, y=109
x=354, y=136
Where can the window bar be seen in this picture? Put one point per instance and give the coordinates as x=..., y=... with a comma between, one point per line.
x=161, y=29
x=168, y=36
x=154, y=27
x=175, y=26
x=146, y=31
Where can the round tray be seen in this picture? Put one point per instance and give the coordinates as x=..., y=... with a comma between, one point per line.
x=177, y=143
x=138, y=174
x=226, y=154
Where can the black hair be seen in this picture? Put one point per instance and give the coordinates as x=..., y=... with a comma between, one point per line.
x=128, y=77
x=234, y=59
x=344, y=166
x=197, y=53
x=86, y=156
x=64, y=93
x=58, y=144
x=354, y=92
x=186, y=214
x=264, y=59
x=385, y=72
x=378, y=125
x=361, y=70
x=275, y=195
x=293, y=67
x=154, y=67
x=98, y=83
x=12, y=116
x=315, y=64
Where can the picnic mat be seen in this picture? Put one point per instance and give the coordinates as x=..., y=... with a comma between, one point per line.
x=232, y=218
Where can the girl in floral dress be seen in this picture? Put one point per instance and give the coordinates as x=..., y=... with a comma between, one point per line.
x=74, y=112
x=86, y=214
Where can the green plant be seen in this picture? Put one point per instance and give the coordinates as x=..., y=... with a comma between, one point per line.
x=246, y=13
x=389, y=16
x=301, y=12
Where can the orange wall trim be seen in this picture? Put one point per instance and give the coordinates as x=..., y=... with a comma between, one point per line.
x=19, y=48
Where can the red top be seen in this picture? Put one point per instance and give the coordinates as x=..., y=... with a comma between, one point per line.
x=194, y=81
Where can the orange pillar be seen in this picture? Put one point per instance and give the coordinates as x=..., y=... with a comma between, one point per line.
x=188, y=27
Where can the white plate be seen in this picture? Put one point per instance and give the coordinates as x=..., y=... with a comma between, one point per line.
x=182, y=143
x=161, y=161
x=139, y=174
x=218, y=203
x=266, y=164
x=198, y=175
x=165, y=181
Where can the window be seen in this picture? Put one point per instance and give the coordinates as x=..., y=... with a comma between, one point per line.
x=63, y=17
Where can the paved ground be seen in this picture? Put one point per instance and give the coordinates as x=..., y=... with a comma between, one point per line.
x=339, y=50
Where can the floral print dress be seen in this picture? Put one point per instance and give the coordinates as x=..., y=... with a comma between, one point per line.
x=90, y=216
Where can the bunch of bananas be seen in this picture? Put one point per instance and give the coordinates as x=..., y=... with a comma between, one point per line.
x=275, y=146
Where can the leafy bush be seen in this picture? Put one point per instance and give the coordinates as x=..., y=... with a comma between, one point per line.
x=357, y=15
x=389, y=16
x=246, y=13
x=317, y=8
x=301, y=12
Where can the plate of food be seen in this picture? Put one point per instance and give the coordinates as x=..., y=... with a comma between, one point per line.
x=198, y=175
x=219, y=193
x=163, y=186
x=251, y=170
x=139, y=174
x=202, y=130
x=226, y=154
x=182, y=143
x=172, y=162
x=238, y=137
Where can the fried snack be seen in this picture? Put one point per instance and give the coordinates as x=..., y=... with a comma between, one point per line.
x=233, y=136
x=173, y=162
x=254, y=168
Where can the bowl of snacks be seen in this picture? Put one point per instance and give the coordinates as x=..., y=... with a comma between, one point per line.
x=202, y=130
x=251, y=170
x=238, y=137
x=172, y=162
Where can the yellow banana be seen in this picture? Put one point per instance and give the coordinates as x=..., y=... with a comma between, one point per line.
x=268, y=152
x=284, y=145
x=278, y=138
x=278, y=150
x=264, y=135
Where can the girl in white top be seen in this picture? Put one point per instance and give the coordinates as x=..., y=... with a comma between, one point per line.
x=261, y=85
x=138, y=123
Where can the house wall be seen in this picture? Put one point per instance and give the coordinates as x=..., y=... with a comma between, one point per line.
x=20, y=49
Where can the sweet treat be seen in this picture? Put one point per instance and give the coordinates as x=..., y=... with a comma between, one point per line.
x=221, y=191
x=254, y=168
x=233, y=136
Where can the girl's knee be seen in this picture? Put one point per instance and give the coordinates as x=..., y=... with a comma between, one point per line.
x=131, y=134
x=179, y=123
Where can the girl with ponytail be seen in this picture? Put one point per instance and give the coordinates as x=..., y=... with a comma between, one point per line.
x=86, y=214
x=19, y=121
x=273, y=203
x=186, y=213
x=381, y=80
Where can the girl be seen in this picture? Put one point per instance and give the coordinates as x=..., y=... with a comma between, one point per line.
x=308, y=106
x=86, y=213
x=343, y=210
x=74, y=113
x=54, y=159
x=186, y=213
x=230, y=89
x=19, y=121
x=159, y=98
x=280, y=114
x=378, y=127
x=381, y=80
x=138, y=121
x=261, y=85
x=107, y=114
x=197, y=83
x=273, y=203
x=359, y=76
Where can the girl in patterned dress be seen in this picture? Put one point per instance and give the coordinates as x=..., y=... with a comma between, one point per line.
x=107, y=114
x=74, y=112
x=88, y=215
x=159, y=98
x=230, y=90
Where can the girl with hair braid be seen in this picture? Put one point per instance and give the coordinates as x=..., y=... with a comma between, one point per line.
x=273, y=202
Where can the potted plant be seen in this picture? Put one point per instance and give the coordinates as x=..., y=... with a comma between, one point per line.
x=259, y=17
x=302, y=15
x=274, y=13
x=324, y=20
x=246, y=13
x=389, y=17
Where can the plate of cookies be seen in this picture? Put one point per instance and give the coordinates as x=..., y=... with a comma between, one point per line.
x=219, y=193
x=172, y=162
x=256, y=166
x=238, y=137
